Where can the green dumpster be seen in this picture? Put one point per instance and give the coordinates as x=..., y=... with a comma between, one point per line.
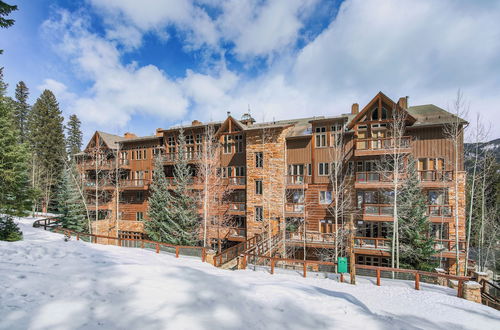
x=342, y=264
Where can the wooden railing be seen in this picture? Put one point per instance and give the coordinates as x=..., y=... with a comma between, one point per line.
x=234, y=180
x=490, y=294
x=365, y=177
x=142, y=243
x=378, y=209
x=449, y=245
x=105, y=163
x=418, y=274
x=46, y=223
x=131, y=183
x=382, y=143
x=310, y=237
x=435, y=176
x=298, y=179
x=440, y=210
x=372, y=242
x=172, y=157
x=294, y=207
x=237, y=206
x=235, y=251
x=235, y=231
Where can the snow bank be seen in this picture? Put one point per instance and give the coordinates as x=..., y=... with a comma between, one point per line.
x=46, y=283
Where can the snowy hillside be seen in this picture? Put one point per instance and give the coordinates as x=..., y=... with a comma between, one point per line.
x=47, y=283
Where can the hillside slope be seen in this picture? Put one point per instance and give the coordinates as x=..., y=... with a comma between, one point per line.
x=51, y=284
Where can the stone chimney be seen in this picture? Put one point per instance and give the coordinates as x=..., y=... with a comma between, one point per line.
x=196, y=123
x=158, y=132
x=354, y=108
x=129, y=135
x=403, y=102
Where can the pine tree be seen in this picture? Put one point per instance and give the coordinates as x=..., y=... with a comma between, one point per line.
x=22, y=110
x=416, y=245
x=15, y=194
x=74, y=139
x=70, y=203
x=160, y=218
x=173, y=215
x=46, y=136
x=5, y=10
x=9, y=231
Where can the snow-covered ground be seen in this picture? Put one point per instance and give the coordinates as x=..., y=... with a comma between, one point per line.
x=46, y=283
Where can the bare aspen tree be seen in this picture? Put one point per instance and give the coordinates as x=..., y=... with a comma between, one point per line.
x=454, y=131
x=479, y=135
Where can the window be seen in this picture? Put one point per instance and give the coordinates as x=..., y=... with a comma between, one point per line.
x=375, y=114
x=239, y=171
x=189, y=139
x=259, y=213
x=144, y=154
x=198, y=138
x=139, y=195
x=227, y=144
x=258, y=187
x=320, y=137
x=139, y=154
x=139, y=216
x=323, y=169
x=438, y=197
x=238, y=143
x=309, y=170
x=325, y=197
x=326, y=226
x=259, y=159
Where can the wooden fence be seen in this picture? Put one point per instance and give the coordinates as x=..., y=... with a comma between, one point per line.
x=143, y=243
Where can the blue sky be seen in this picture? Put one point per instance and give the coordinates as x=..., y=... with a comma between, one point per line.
x=125, y=65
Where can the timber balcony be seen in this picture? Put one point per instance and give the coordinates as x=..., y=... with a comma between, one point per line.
x=312, y=239
x=428, y=179
x=385, y=212
x=105, y=164
x=298, y=181
x=135, y=184
x=189, y=156
x=294, y=208
x=236, y=234
x=382, y=246
x=381, y=146
x=236, y=182
x=236, y=208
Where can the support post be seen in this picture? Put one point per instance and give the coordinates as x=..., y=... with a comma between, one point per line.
x=157, y=248
x=417, y=281
x=77, y=237
x=272, y=266
x=378, y=277
x=305, y=269
x=352, y=264
x=341, y=277
x=177, y=252
x=460, y=289
x=203, y=254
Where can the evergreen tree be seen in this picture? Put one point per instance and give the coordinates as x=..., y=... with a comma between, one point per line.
x=22, y=109
x=15, y=194
x=9, y=231
x=173, y=215
x=46, y=136
x=74, y=139
x=417, y=246
x=70, y=203
x=160, y=218
x=5, y=10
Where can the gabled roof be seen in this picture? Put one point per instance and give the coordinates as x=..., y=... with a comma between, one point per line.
x=370, y=105
x=429, y=114
x=108, y=139
x=225, y=125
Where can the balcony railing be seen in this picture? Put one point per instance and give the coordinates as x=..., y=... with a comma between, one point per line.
x=234, y=180
x=105, y=163
x=298, y=179
x=311, y=237
x=172, y=157
x=367, y=177
x=435, y=176
x=449, y=245
x=237, y=232
x=372, y=243
x=237, y=207
x=440, y=210
x=378, y=209
x=294, y=208
x=383, y=143
x=134, y=183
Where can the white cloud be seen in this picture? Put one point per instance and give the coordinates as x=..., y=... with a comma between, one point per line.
x=118, y=91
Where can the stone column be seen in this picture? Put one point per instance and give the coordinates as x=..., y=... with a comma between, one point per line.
x=472, y=291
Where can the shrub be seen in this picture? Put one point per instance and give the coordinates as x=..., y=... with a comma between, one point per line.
x=9, y=231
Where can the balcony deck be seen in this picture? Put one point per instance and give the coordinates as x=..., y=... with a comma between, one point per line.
x=381, y=146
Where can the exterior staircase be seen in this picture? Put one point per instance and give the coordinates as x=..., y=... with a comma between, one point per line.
x=259, y=245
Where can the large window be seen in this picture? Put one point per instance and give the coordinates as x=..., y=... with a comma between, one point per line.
x=438, y=197
x=325, y=197
x=259, y=159
x=139, y=216
x=320, y=137
x=238, y=143
x=239, y=171
x=227, y=144
x=259, y=213
x=189, y=139
x=323, y=169
x=326, y=226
